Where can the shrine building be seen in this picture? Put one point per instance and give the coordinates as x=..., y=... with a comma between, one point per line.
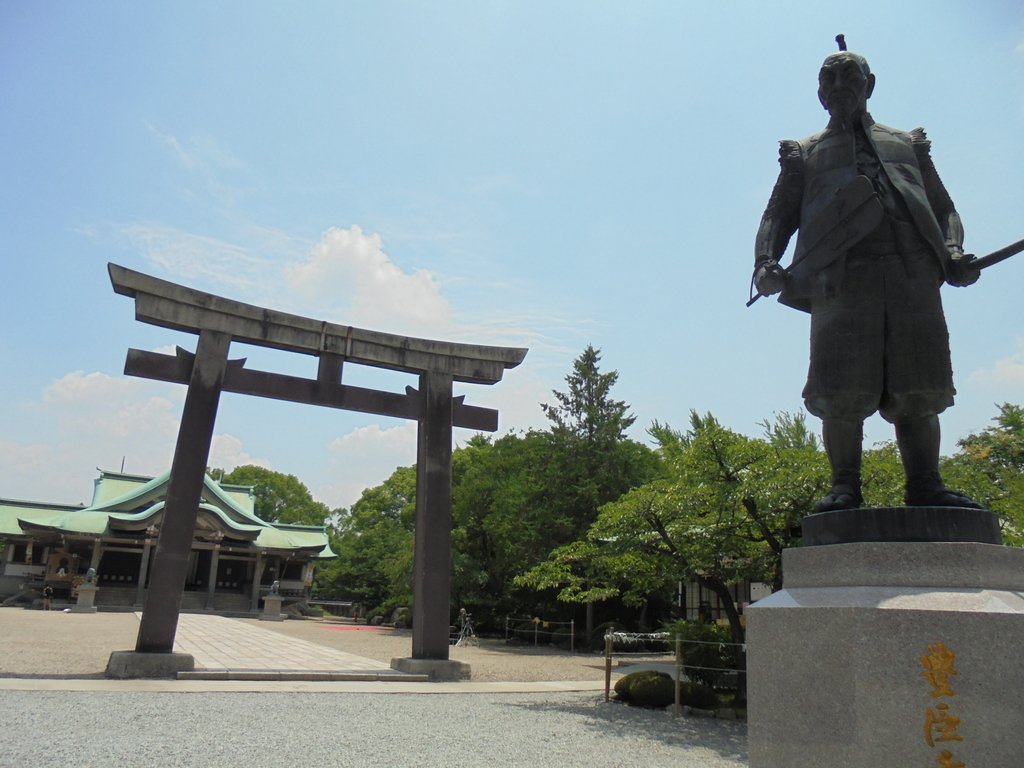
x=234, y=559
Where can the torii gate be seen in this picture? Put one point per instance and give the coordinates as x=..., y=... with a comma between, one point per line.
x=208, y=372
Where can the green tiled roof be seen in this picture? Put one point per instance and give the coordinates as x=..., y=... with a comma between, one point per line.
x=140, y=500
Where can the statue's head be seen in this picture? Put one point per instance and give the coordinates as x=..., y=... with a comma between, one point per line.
x=845, y=83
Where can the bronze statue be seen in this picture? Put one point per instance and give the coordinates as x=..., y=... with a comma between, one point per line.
x=878, y=235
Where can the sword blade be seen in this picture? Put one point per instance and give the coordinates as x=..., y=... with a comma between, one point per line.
x=1001, y=255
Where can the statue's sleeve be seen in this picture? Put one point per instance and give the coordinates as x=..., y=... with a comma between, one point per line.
x=782, y=216
x=938, y=198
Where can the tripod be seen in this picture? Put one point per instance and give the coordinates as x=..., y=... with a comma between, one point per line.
x=467, y=636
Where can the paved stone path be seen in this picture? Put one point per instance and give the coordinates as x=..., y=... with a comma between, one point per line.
x=220, y=644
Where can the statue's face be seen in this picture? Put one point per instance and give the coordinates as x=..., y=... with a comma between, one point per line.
x=843, y=87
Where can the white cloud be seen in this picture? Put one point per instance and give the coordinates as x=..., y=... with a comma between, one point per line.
x=184, y=158
x=1005, y=374
x=90, y=420
x=363, y=458
x=351, y=275
x=226, y=452
x=187, y=257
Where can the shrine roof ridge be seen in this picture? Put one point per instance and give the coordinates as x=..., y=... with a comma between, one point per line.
x=170, y=305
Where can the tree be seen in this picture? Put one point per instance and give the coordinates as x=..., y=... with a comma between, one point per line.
x=280, y=498
x=990, y=467
x=723, y=511
x=596, y=463
x=374, y=543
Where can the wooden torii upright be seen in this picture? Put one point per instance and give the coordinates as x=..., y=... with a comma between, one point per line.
x=208, y=372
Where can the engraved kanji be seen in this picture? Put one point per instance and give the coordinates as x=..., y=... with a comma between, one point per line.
x=939, y=725
x=938, y=668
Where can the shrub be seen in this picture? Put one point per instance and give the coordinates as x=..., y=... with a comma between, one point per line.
x=657, y=690
x=650, y=688
x=647, y=688
x=697, y=695
x=708, y=648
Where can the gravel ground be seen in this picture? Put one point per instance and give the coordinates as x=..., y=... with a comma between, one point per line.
x=253, y=730
x=46, y=728
x=58, y=644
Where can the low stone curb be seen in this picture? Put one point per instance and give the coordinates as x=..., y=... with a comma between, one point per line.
x=295, y=675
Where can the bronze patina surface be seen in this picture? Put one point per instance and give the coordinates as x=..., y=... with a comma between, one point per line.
x=877, y=235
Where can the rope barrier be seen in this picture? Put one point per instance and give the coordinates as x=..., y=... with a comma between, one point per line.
x=536, y=631
x=661, y=637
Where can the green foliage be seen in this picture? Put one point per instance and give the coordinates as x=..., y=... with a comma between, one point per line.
x=990, y=467
x=698, y=696
x=280, y=498
x=592, y=459
x=645, y=688
x=374, y=543
x=650, y=688
x=518, y=498
x=704, y=649
x=656, y=690
x=722, y=510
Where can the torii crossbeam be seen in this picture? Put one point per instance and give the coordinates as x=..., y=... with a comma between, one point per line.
x=208, y=372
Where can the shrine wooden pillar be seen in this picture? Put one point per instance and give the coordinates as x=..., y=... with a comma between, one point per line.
x=170, y=563
x=432, y=568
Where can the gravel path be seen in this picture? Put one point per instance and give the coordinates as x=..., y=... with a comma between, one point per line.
x=253, y=730
x=57, y=644
x=44, y=728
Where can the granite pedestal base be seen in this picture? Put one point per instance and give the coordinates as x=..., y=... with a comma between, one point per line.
x=86, y=602
x=125, y=665
x=439, y=669
x=272, y=609
x=889, y=655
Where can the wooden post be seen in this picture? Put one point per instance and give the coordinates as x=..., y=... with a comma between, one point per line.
x=608, y=643
x=679, y=674
x=433, y=546
x=211, y=586
x=257, y=577
x=170, y=564
x=140, y=592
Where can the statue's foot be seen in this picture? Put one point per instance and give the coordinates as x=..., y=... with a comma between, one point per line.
x=942, y=497
x=840, y=497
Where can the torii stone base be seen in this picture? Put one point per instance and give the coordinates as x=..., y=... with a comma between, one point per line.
x=442, y=670
x=125, y=665
x=850, y=664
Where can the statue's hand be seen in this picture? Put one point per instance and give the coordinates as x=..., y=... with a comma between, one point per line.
x=962, y=270
x=770, y=278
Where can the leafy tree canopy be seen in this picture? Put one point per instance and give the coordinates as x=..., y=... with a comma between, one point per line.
x=280, y=498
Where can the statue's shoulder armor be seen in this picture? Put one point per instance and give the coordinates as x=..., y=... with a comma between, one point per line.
x=894, y=132
x=790, y=155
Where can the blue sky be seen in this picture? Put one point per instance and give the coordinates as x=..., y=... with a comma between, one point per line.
x=540, y=174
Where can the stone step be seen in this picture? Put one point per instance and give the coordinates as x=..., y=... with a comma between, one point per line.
x=384, y=676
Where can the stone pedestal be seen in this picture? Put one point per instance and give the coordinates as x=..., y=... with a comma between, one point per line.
x=126, y=665
x=439, y=670
x=86, y=600
x=272, y=609
x=889, y=654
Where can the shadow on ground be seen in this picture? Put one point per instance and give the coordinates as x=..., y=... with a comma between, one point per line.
x=726, y=738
